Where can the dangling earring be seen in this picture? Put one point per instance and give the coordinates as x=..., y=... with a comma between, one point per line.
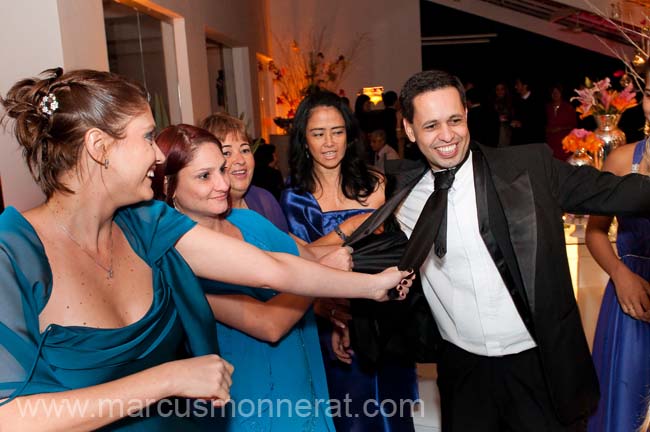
x=307, y=153
x=646, y=128
x=106, y=163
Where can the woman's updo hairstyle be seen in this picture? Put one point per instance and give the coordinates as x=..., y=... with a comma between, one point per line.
x=52, y=115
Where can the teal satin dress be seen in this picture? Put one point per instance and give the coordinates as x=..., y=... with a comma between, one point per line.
x=276, y=386
x=178, y=324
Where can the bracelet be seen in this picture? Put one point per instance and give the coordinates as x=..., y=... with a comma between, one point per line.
x=340, y=233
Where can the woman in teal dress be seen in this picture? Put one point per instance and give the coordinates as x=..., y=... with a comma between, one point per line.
x=102, y=320
x=271, y=337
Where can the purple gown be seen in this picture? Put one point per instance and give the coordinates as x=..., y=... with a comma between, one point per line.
x=263, y=202
x=622, y=344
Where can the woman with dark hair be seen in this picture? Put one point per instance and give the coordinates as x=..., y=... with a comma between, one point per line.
x=330, y=183
x=99, y=304
x=270, y=337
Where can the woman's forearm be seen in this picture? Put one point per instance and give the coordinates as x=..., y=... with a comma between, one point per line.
x=599, y=245
x=215, y=256
x=206, y=377
x=86, y=408
x=268, y=321
x=303, y=277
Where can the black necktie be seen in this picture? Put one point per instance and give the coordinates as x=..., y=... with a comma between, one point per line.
x=431, y=227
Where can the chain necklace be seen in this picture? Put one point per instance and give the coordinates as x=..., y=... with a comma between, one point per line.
x=109, y=269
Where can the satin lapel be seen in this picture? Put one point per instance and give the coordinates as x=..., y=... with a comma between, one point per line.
x=514, y=190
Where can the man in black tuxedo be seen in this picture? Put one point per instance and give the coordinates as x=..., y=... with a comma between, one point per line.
x=502, y=320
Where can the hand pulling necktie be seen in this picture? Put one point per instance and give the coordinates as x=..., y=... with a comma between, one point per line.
x=431, y=227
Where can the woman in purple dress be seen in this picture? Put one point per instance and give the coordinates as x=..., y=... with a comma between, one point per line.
x=622, y=342
x=241, y=164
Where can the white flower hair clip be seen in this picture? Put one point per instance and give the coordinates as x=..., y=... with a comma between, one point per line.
x=49, y=104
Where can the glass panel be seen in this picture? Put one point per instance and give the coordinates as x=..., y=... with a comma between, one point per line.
x=2, y=201
x=216, y=76
x=140, y=47
x=221, y=77
x=267, y=103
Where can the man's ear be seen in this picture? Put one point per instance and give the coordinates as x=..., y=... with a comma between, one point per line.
x=96, y=143
x=408, y=128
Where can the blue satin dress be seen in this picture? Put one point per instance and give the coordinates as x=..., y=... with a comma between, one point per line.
x=361, y=385
x=622, y=344
x=178, y=324
x=283, y=373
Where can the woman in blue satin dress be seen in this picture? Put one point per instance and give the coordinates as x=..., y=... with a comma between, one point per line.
x=102, y=320
x=329, y=184
x=621, y=349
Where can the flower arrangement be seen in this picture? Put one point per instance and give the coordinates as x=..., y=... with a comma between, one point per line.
x=581, y=139
x=309, y=68
x=598, y=98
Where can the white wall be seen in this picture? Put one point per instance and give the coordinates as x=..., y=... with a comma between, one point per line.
x=241, y=23
x=41, y=34
x=83, y=38
x=392, y=54
x=31, y=42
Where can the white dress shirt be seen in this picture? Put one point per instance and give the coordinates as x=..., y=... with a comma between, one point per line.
x=468, y=298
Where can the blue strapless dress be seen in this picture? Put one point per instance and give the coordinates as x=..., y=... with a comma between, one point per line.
x=622, y=344
x=278, y=377
x=389, y=383
x=178, y=324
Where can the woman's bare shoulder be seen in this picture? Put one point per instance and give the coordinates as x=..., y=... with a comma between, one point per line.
x=619, y=161
x=377, y=197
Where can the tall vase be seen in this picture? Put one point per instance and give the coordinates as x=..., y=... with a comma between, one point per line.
x=608, y=131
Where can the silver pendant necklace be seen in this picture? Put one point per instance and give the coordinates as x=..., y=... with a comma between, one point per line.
x=109, y=269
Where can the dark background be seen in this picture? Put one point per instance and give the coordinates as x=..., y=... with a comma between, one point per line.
x=515, y=52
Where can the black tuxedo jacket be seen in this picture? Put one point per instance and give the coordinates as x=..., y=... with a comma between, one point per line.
x=521, y=194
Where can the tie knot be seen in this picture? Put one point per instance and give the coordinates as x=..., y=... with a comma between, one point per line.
x=444, y=179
